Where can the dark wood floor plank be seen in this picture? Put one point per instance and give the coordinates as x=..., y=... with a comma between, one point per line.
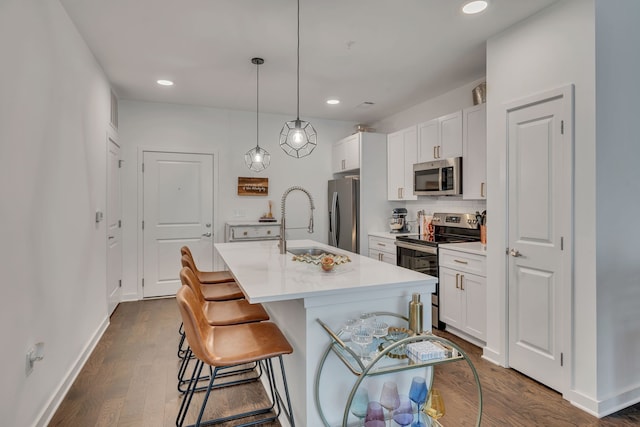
x=130, y=381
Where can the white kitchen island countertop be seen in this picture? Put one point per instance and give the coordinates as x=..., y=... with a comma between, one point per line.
x=297, y=294
x=265, y=275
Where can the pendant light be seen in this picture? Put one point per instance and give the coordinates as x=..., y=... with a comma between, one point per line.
x=297, y=137
x=257, y=159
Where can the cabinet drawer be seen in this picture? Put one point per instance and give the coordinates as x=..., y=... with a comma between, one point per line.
x=464, y=262
x=382, y=256
x=267, y=232
x=383, y=245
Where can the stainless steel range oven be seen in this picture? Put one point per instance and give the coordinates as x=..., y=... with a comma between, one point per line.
x=421, y=253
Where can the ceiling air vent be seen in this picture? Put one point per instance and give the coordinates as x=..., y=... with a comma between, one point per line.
x=365, y=105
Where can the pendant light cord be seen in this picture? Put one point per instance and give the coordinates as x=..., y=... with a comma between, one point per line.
x=257, y=104
x=298, y=68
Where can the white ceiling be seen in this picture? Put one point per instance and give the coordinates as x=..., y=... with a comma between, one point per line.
x=394, y=53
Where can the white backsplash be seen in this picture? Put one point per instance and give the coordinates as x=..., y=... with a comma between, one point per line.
x=430, y=205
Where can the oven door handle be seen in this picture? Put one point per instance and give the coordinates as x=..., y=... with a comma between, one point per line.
x=419, y=248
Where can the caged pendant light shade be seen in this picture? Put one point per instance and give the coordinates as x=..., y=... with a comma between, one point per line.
x=298, y=138
x=257, y=159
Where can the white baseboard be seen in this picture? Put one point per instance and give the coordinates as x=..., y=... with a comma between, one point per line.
x=129, y=297
x=493, y=356
x=602, y=408
x=49, y=410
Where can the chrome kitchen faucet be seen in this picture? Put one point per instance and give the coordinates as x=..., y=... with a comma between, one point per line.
x=282, y=244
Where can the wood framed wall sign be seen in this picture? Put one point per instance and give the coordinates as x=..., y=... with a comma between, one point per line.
x=253, y=186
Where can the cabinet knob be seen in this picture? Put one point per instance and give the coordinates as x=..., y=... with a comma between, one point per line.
x=515, y=253
x=457, y=278
x=461, y=284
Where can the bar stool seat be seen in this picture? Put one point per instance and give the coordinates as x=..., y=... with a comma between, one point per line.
x=206, y=277
x=220, y=313
x=223, y=347
x=220, y=291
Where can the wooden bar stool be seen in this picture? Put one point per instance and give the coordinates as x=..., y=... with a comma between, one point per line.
x=217, y=313
x=223, y=347
x=207, y=277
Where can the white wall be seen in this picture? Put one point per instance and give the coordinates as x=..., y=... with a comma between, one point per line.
x=54, y=111
x=456, y=99
x=617, y=189
x=227, y=134
x=549, y=50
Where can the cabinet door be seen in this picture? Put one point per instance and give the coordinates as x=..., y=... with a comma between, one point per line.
x=450, y=135
x=395, y=166
x=401, y=155
x=351, y=152
x=428, y=140
x=474, y=294
x=474, y=152
x=410, y=139
x=337, y=156
x=450, y=298
x=345, y=156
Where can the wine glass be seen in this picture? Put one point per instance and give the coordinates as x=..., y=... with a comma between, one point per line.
x=389, y=397
x=435, y=405
x=403, y=414
x=360, y=403
x=374, y=416
x=418, y=394
x=362, y=336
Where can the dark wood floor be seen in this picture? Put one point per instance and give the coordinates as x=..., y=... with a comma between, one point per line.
x=130, y=380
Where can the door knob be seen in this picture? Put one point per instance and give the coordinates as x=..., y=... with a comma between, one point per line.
x=206, y=235
x=515, y=253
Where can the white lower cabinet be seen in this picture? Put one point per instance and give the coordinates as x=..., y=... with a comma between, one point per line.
x=382, y=249
x=463, y=296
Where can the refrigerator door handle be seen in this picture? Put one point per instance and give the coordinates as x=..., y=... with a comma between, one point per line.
x=337, y=221
x=332, y=219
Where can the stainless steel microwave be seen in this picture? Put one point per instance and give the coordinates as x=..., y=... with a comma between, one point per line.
x=438, y=178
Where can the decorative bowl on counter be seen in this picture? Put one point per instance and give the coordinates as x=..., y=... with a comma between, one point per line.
x=327, y=263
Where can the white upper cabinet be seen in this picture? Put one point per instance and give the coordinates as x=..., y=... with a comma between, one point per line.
x=440, y=138
x=474, y=151
x=346, y=154
x=401, y=155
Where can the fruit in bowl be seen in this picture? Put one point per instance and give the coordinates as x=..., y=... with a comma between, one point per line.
x=327, y=263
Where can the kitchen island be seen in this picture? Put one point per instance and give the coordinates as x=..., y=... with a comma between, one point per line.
x=297, y=293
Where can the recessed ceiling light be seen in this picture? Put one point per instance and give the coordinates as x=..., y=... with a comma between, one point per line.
x=165, y=82
x=333, y=101
x=476, y=6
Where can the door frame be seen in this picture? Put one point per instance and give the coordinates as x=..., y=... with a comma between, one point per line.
x=567, y=93
x=140, y=202
x=112, y=135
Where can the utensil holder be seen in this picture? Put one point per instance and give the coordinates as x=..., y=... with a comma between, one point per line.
x=483, y=235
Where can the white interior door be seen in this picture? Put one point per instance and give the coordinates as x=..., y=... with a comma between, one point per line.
x=178, y=211
x=114, y=225
x=539, y=205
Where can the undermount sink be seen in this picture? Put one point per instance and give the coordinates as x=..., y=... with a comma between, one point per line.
x=313, y=251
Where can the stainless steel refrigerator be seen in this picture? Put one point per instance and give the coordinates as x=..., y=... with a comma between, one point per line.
x=344, y=210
